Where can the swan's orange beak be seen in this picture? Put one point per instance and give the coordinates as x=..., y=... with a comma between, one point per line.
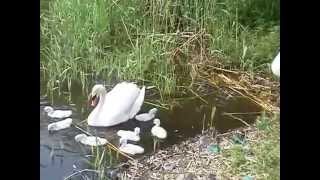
x=93, y=100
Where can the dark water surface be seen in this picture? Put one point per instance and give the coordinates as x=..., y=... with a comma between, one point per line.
x=59, y=151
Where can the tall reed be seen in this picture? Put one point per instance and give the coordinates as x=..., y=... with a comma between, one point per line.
x=154, y=41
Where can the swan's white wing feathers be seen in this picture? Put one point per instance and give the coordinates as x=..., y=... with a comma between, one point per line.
x=138, y=103
x=118, y=104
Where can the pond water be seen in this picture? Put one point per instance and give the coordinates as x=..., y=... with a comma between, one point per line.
x=59, y=151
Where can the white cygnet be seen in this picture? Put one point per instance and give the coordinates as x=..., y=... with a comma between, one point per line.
x=56, y=126
x=158, y=131
x=131, y=149
x=90, y=140
x=60, y=114
x=147, y=116
x=130, y=135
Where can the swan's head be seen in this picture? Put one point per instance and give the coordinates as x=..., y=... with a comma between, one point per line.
x=79, y=137
x=137, y=130
x=153, y=111
x=156, y=122
x=123, y=141
x=48, y=109
x=97, y=91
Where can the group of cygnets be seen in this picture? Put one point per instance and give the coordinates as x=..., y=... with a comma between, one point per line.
x=125, y=135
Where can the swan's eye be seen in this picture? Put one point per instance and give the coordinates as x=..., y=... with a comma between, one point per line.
x=93, y=100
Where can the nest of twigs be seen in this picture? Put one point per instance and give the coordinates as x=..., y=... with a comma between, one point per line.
x=261, y=90
x=188, y=157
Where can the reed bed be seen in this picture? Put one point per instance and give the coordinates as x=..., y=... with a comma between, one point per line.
x=154, y=41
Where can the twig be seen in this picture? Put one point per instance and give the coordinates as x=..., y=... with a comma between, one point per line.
x=159, y=106
x=82, y=121
x=150, y=87
x=244, y=113
x=198, y=96
x=225, y=70
x=234, y=117
x=81, y=171
x=252, y=99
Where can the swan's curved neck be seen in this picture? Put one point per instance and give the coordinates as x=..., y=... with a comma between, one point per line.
x=99, y=107
x=101, y=100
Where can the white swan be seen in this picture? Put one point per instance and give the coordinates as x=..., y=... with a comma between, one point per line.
x=57, y=113
x=147, y=116
x=157, y=130
x=131, y=149
x=56, y=126
x=130, y=135
x=275, y=66
x=119, y=105
x=90, y=140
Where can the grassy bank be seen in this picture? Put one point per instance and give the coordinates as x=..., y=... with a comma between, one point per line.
x=155, y=41
x=260, y=158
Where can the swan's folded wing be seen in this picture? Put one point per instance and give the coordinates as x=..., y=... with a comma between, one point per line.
x=138, y=103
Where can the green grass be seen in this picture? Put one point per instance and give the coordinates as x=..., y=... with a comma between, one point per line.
x=103, y=158
x=259, y=158
x=138, y=40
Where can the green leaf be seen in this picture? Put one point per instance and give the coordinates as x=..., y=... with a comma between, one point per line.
x=214, y=148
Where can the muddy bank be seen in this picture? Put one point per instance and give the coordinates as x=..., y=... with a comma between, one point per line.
x=192, y=157
x=245, y=153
